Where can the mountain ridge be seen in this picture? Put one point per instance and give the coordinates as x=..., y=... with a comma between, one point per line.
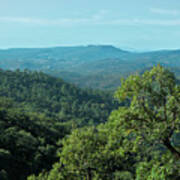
x=92, y=66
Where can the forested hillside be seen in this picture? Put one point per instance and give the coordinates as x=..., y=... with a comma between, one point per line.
x=89, y=90
x=140, y=141
x=36, y=112
x=51, y=130
x=29, y=141
x=38, y=92
x=98, y=67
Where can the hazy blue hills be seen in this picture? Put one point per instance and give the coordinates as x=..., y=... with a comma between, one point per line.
x=88, y=66
x=65, y=53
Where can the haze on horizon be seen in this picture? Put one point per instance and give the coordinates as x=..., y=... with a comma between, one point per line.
x=140, y=25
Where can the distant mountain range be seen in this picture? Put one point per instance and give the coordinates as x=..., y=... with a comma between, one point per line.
x=88, y=66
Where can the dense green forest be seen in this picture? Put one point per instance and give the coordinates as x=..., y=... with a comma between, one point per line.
x=97, y=67
x=36, y=112
x=41, y=93
x=139, y=141
x=52, y=130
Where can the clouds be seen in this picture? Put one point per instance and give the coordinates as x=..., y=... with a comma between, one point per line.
x=98, y=19
x=100, y=14
x=93, y=19
x=155, y=22
x=23, y=20
x=171, y=12
x=38, y=21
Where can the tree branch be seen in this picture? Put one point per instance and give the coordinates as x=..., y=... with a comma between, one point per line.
x=167, y=143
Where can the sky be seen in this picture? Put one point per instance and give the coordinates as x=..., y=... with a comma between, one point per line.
x=128, y=24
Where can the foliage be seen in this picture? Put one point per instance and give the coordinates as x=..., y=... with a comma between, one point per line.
x=45, y=121
x=137, y=141
x=153, y=118
x=38, y=92
x=91, y=153
x=28, y=142
x=36, y=112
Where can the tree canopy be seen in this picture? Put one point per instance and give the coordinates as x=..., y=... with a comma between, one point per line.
x=36, y=112
x=51, y=130
x=139, y=141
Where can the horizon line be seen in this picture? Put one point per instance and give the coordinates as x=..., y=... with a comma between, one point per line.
x=129, y=49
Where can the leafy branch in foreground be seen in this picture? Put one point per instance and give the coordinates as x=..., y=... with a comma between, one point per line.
x=153, y=117
x=137, y=142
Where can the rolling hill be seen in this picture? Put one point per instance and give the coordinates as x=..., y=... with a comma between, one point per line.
x=91, y=66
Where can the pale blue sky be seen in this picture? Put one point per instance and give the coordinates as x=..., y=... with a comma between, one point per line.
x=137, y=24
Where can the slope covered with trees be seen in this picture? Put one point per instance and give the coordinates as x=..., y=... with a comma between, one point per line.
x=43, y=138
x=38, y=92
x=98, y=67
x=139, y=141
x=36, y=112
x=29, y=142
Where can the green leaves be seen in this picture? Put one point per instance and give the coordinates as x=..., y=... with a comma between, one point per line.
x=153, y=116
x=92, y=153
x=139, y=141
x=154, y=102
